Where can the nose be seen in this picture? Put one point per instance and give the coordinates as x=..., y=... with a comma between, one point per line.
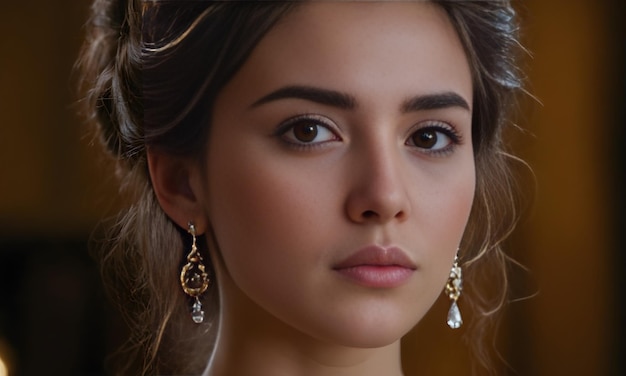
x=378, y=191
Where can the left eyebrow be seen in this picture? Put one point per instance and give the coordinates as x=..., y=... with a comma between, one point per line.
x=323, y=96
x=434, y=102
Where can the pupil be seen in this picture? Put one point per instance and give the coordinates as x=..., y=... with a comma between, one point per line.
x=425, y=139
x=305, y=132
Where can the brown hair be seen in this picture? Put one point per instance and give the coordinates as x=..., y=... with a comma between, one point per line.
x=489, y=33
x=151, y=71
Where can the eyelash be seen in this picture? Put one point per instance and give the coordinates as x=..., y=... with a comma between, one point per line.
x=438, y=127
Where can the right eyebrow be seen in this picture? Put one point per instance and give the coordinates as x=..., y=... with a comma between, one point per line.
x=434, y=102
x=323, y=96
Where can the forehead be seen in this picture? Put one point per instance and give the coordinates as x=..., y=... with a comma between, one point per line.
x=394, y=48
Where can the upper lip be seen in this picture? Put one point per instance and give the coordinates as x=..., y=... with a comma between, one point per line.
x=375, y=255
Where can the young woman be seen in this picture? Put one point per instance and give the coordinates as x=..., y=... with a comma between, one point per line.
x=307, y=177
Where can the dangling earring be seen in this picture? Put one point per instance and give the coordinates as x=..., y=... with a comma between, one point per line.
x=454, y=286
x=194, y=278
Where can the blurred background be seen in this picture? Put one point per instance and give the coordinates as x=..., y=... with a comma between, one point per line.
x=55, y=187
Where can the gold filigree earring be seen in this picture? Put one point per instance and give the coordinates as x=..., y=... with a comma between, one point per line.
x=193, y=277
x=454, y=286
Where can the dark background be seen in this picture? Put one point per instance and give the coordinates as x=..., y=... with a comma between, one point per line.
x=55, y=187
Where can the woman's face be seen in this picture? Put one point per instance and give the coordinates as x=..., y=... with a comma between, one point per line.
x=340, y=170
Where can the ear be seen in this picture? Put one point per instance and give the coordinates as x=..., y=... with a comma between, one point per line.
x=178, y=187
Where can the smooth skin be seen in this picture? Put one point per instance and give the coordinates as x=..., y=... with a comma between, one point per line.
x=348, y=126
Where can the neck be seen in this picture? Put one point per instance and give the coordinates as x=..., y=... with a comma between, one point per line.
x=253, y=342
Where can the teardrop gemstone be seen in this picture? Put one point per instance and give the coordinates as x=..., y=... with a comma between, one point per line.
x=454, y=316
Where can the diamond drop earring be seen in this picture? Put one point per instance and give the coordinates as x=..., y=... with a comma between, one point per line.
x=193, y=277
x=453, y=289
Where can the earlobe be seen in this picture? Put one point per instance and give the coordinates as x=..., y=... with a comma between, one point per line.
x=175, y=183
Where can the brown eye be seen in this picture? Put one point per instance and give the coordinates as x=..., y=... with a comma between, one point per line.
x=434, y=138
x=305, y=131
x=425, y=138
x=308, y=131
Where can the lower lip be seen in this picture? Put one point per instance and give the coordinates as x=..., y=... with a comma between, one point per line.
x=377, y=276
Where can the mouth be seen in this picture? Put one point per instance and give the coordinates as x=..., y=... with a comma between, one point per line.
x=377, y=267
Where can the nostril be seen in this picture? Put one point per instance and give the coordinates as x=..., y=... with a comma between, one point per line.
x=369, y=214
x=401, y=215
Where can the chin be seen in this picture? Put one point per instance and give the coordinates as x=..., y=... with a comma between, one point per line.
x=373, y=338
x=373, y=332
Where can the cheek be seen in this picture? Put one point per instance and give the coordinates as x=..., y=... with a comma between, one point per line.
x=448, y=206
x=461, y=201
x=444, y=199
x=261, y=215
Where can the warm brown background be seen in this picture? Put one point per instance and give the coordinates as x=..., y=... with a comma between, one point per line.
x=54, y=188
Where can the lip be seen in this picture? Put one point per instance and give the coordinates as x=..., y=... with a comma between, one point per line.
x=377, y=267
